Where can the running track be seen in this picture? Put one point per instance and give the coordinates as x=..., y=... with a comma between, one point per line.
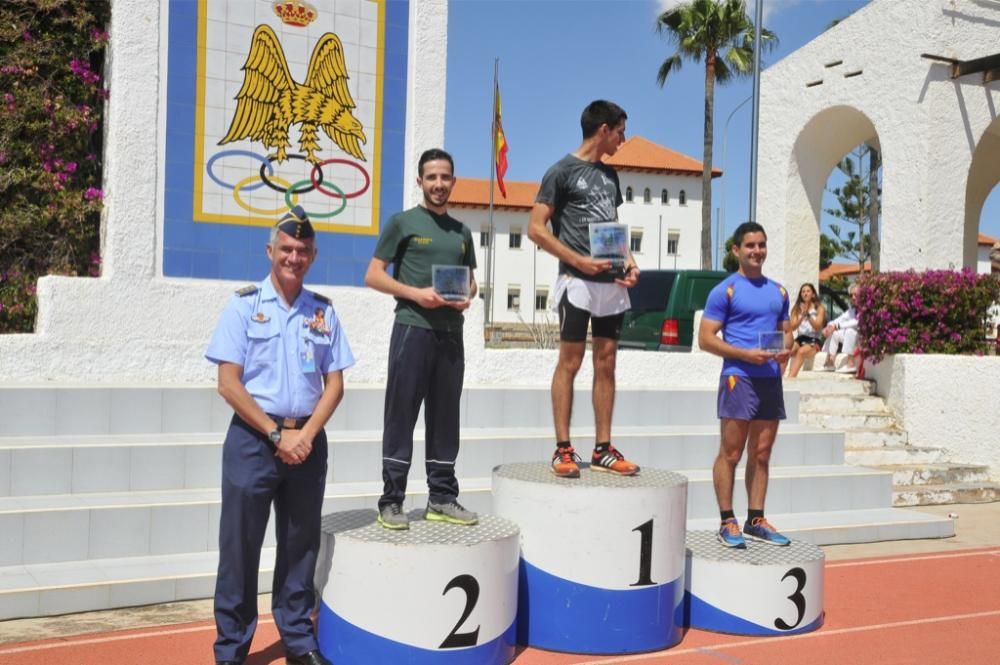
x=921, y=609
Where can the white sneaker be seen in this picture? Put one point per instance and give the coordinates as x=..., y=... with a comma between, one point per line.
x=847, y=369
x=824, y=368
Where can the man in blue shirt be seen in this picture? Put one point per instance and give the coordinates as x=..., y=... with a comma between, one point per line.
x=747, y=308
x=280, y=353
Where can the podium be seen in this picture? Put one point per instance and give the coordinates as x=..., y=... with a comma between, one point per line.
x=762, y=590
x=437, y=593
x=602, y=557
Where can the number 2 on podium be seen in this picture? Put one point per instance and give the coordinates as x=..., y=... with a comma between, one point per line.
x=455, y=639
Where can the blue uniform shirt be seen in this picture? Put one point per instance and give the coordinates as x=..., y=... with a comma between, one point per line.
x=747, y=307
x=284, y=352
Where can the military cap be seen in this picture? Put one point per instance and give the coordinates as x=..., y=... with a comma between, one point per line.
x=296, y=224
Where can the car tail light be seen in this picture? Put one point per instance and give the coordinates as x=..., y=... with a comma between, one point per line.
x=668, y=333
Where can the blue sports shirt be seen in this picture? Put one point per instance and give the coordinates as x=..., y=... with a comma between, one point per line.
x=747, y=307
x=284, y=351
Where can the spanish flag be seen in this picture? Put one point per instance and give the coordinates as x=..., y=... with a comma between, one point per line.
x=501, y=144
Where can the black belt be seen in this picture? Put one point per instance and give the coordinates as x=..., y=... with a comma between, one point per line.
x=289, y=423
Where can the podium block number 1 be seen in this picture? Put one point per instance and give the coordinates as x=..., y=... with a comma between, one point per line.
x=796, y=597
x=645, y=554
x=470, y=586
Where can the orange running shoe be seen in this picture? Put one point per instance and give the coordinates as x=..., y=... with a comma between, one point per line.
x=564, y=463
x=613, y=461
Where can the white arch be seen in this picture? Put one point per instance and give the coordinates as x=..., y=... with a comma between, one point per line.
x=984, y=174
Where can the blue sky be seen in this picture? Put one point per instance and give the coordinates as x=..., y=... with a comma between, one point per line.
x=558, y=55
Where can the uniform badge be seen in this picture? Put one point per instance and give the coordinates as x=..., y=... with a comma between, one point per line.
x=317, y=324
x=260, y=317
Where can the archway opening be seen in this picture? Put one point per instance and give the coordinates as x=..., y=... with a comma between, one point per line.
x=982, y=203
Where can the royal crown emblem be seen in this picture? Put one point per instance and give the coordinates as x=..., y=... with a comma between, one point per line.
x=294, y=12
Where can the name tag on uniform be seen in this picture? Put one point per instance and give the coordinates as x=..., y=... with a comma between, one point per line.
x=307, y=356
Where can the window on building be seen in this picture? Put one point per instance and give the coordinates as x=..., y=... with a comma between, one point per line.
x=673, y=239
x=514, y=297
x=664, y=197
x=628, y=195
x=682, y=198
x=541, y=300
x=514, y=240
x=646, y=196
x=635, y=243
x=484, y=236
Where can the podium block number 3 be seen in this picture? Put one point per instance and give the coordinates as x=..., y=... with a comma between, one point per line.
x=645, y=554
x=796, y=597
x=455, y=639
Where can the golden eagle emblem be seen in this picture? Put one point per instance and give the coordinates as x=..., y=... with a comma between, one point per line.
x=270, y=102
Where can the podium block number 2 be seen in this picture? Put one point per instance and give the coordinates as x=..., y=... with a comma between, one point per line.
x=796, y=597
x=470, y=586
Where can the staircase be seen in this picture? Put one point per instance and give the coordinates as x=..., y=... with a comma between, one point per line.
x=921, y=476
x=109, y=497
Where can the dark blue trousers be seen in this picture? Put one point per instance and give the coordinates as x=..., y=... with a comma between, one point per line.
x=252, y=480
x=425, y=366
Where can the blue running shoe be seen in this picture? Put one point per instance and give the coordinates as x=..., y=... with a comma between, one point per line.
x=760, y=529
x=730, y=536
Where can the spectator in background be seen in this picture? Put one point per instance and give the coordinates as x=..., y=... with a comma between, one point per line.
x=842, y=333
x=807, y=318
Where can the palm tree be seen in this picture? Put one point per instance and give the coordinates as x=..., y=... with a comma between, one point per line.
x=720, y=32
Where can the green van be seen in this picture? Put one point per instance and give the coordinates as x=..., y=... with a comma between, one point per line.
x=663, y=307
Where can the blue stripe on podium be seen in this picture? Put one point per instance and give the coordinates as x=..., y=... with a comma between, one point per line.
x=346, y=644
x=709, y=617
x=561, y=615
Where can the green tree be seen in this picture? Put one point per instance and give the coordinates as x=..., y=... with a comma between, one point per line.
x=720, y=33
x=828, y=250
x=854, y=198
x=729, y=262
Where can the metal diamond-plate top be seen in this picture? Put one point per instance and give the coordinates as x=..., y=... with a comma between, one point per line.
x=705, y=545
x=538, y=472
x=361, y=525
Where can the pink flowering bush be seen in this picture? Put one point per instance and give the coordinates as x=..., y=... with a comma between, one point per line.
x=938, y=311
x=52, y=99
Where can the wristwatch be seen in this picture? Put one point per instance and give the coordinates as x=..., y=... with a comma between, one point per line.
x=275, y=436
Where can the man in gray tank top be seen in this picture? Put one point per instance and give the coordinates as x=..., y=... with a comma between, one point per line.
x=580, y=190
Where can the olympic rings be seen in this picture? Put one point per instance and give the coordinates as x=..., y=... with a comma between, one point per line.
x=317, y=215
x=317, y=169
x=293, y=190
x=241, y=153
x=261, y=211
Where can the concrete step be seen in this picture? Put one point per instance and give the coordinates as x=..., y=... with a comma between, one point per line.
x=893, y=455
x=54, y=528
x=833, y=403
x=126, y=410
x=850, y=526
x=875, y=437
x=827, y=383
x=937, y=474
x=35, y=466
x=46, y=589
x=849, y=421
x=932, y=495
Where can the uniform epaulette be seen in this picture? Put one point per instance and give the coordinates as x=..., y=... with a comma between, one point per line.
x=247, y=290
x=323, y=299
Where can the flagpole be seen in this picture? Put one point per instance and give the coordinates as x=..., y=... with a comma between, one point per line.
x=490, y=256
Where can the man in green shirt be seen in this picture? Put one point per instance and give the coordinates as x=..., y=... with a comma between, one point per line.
x=426, y=353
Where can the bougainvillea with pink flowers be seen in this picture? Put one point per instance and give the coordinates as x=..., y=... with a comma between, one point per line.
x=52, y=99
x=937, y=311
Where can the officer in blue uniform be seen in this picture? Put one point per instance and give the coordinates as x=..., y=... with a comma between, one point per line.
x=280, y=353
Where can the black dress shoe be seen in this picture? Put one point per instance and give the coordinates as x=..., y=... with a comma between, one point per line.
x=311, y=658
x=228, y=662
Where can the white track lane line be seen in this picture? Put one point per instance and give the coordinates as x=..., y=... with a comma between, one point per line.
x=785, y=638
x=70, y=642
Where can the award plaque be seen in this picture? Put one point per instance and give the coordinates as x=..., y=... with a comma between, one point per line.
x=771, y=341
x=451, y=282
x=609, y=242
